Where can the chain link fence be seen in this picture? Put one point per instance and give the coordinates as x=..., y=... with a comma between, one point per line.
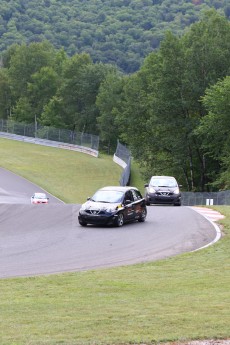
x=205, y=198
x=50, y=133
x=89, y=143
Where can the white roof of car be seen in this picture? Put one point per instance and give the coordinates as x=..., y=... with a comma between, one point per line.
x=163, y=177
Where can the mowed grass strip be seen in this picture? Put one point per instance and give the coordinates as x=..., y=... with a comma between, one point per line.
x=70, y=176
x=183, y=298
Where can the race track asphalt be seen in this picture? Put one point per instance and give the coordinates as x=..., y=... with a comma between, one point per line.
x=47, y=239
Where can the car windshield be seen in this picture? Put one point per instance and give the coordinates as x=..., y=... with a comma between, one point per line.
x=163, y=182
x=40, y=196
x=110, y=196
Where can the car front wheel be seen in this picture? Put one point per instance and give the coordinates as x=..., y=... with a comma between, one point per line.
x=120, y=219
x=177, y=204
x=82, y=223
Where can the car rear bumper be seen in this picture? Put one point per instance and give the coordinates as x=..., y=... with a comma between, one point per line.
x=39, y=202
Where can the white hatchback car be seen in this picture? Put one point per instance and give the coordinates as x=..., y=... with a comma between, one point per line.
x=39, y=198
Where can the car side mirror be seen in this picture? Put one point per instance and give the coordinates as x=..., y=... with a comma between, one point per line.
x=146, y=185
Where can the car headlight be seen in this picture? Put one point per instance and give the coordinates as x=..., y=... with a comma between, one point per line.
x=111, y=209
x=176, y=191
x=83, y=207
x=152, y=190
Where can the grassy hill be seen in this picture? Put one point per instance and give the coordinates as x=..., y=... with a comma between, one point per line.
x=70, y=176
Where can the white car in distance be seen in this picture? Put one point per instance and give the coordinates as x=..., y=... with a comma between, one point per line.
x=39, y=198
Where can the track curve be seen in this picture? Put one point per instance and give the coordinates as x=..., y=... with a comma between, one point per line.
x=47, y=239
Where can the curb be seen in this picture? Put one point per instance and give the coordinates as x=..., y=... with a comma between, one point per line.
x=211, y=216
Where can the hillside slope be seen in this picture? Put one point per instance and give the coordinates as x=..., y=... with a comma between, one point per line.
x=122, y=32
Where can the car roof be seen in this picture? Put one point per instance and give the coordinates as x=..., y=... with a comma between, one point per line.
x=118, y=188
x=40, y=194
x=163, y=177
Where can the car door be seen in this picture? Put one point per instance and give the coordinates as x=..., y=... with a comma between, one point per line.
x=137, y=204
x=129, y=212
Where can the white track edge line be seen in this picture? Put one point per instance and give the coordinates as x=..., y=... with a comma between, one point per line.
x=218, y=232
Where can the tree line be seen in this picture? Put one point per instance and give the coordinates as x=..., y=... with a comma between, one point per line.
x=120, y=32
x=173, y=113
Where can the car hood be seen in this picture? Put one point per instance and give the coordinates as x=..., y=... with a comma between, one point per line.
x=93, y=205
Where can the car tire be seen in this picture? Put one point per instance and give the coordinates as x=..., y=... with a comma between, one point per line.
x=82, y=223
x=120, y=220
x=177, y=204
x=143, y=216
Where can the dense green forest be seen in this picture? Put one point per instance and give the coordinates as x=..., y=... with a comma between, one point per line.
x=120, y=32
x=173, y=113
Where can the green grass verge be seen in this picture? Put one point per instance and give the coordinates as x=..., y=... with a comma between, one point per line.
x=183, y=298
x=136, y=177
x=70, y=176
